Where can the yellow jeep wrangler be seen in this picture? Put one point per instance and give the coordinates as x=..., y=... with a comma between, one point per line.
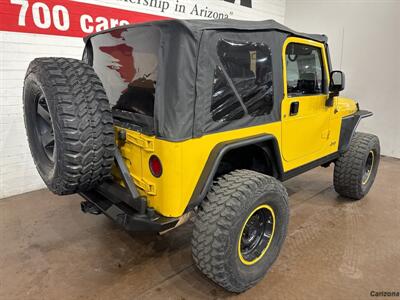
x=163, y=119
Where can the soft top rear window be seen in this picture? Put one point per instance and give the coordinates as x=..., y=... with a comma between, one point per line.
x=126, y=62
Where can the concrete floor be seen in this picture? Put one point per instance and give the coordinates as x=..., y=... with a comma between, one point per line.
x=335, y=249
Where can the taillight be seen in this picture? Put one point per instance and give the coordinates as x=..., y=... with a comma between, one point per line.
x=155, y=166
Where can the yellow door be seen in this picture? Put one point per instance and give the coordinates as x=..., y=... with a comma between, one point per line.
x=305, y=117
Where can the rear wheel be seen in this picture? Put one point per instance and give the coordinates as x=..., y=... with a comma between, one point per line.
x=355, y=170
x=240, y=228
x=69, y=124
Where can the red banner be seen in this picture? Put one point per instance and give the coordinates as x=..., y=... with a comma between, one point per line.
x=66, y=18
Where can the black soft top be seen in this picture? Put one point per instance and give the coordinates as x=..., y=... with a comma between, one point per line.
x=196, y=26
x=188, y=60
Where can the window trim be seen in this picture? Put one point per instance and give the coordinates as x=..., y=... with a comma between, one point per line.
x=326, y=77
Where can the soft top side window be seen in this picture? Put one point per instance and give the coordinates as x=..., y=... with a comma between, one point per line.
x=304, y=70
x=243, y=81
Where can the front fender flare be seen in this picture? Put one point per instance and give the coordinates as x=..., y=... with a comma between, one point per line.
x=348, y=128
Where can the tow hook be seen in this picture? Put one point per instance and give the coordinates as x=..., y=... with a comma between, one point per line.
x=90, y=208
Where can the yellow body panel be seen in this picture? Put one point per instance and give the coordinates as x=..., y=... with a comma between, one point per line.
x=344, y=107
x=183, y=162
x=307, y=135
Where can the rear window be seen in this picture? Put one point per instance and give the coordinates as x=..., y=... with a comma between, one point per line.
x=126, y=62
x=242, y=81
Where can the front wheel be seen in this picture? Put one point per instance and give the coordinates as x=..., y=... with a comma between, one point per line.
x=240, y=228
x=355, y=169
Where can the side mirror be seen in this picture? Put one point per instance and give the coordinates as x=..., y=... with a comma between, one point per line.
x=337, y=82
x=336, y=85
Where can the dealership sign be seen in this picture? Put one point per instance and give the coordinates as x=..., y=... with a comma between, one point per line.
x=80, y=18
x=65, y=17
x=247, y=3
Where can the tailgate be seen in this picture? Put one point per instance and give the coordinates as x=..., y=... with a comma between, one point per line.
x=136, y=148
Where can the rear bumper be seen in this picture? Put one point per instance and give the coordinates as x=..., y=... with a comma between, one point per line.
x=111, y=200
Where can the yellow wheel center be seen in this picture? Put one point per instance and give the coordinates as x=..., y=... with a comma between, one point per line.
x=256, y=234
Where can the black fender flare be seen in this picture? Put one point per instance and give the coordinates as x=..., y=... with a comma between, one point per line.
x=348, y=128
x=217, y=153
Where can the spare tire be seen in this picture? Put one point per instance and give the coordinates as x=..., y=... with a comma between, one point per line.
x=68, y=123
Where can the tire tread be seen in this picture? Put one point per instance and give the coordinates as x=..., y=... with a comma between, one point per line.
x=223, y=204
x=84, y=122
x=349, y=165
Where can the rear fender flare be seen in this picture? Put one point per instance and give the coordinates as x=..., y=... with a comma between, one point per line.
x=206, y=178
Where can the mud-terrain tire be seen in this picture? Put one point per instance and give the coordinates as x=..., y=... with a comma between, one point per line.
x=68, y=123
x=225, y=221
x=355, y=169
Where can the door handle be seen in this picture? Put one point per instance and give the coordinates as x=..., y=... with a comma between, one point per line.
x=294, y=108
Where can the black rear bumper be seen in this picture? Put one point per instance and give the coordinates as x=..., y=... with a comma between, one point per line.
x=124, y=205
x=112, y=200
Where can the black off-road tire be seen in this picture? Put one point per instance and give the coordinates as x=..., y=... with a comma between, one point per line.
x=219, y=225
x=350, y=167
x=69, y=124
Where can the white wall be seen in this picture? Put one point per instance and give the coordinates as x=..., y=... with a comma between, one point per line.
x=17, y=171
x=364, y=40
